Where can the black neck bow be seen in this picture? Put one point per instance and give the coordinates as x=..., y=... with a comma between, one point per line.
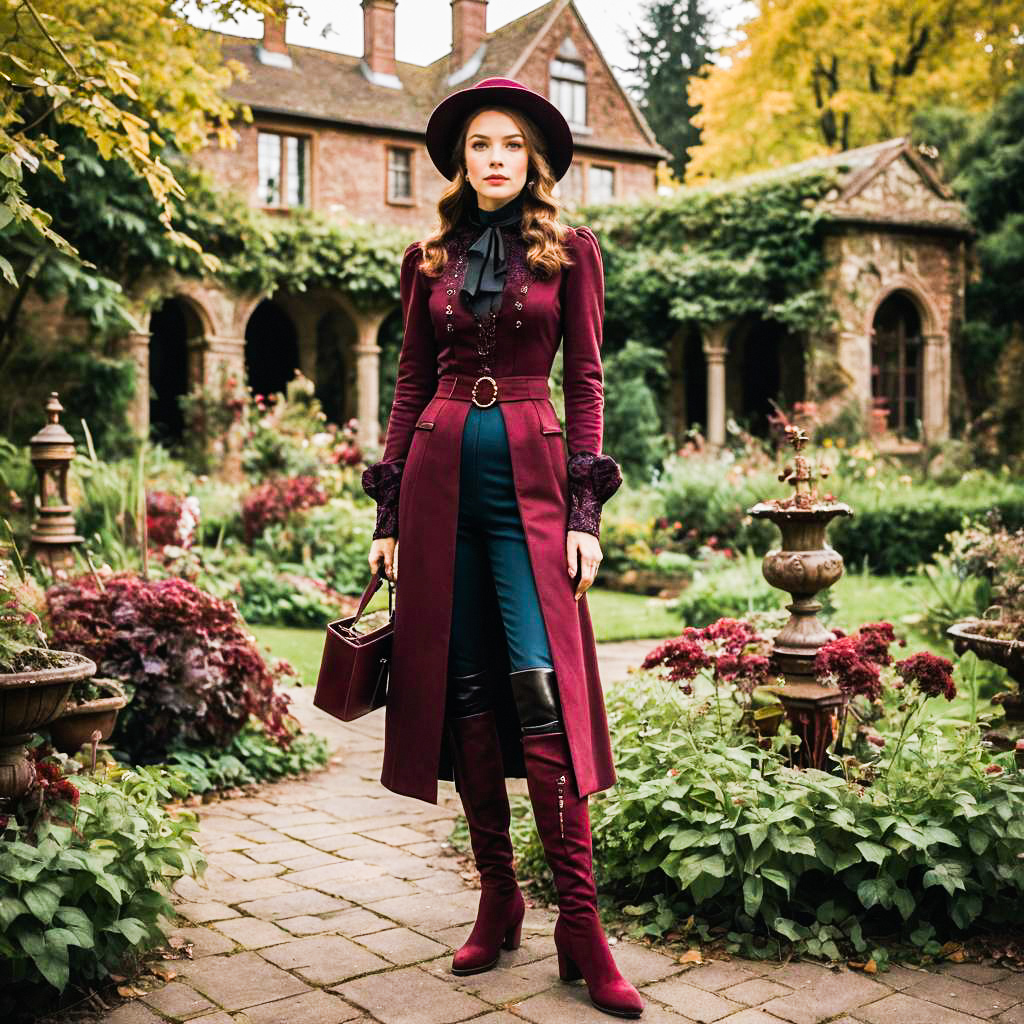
x=485, y=274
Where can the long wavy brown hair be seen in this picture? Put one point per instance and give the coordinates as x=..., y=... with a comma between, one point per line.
x=542, y=232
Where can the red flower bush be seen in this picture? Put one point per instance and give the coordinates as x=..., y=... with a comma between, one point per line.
x=843, y=662
x=276, y=500
x=732, y=648
x=195, y=671
x=163, y=512
x=683, y=658
x=932, y=675
x=853, y=662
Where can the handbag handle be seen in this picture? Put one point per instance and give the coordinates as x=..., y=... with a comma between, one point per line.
x=371, y=588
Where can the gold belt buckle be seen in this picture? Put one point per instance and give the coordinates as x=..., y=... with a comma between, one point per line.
x=494, y=396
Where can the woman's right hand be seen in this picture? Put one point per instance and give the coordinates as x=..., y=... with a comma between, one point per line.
x=385, y=549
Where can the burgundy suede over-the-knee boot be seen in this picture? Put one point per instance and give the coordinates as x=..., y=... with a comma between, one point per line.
x=563, y=821
x=480, y=776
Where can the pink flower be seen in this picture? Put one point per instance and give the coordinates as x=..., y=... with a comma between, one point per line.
x=994, y=769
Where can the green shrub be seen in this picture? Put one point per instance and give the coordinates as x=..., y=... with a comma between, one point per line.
x=712, y=497
x=906, y=530
x=331, y=543
x=634, y=376
x=705, y=820
x=727, y=588
x=75, y=901
x=250, y=757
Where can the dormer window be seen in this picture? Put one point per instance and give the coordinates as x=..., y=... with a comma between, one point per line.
x=283, y=166
x=569, y=88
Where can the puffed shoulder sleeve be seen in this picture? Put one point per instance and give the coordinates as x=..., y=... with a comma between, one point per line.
x=593, y=477
x=415, y=384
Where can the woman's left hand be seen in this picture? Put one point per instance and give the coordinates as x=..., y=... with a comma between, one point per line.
x=585, y=549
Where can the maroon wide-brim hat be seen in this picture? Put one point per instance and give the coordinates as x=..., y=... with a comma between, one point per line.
x=447, y=118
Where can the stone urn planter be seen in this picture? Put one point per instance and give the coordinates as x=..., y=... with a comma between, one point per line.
x=966, y=636
x=28, y=701
x=1008, y=654
x=802, y=566
x=79, y=721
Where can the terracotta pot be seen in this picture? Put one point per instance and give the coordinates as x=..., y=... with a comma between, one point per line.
x=75, y=727
x=28, y=701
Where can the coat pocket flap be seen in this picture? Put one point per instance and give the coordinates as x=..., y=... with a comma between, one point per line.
x=425, y=425
x=550, y=430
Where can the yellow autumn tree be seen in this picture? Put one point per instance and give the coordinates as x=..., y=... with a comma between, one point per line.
x=818, y=76
x=132, y=75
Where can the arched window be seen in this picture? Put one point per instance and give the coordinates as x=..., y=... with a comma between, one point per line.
x=896, y=364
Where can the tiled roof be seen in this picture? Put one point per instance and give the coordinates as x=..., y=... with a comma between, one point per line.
x=331, y=87
x=848, y=162
x=871, y=188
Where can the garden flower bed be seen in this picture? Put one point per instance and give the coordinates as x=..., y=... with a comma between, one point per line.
x=915, y=836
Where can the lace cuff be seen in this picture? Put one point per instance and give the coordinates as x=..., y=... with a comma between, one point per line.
x=593, y=479
x=382, y=482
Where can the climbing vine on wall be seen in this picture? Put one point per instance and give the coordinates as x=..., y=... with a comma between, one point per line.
x=716, y=253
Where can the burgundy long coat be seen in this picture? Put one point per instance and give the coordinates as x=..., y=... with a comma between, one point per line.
x=425, y=430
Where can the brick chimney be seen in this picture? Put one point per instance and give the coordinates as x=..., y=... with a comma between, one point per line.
x=274, y=49
x=378, y=62
x=469, y=27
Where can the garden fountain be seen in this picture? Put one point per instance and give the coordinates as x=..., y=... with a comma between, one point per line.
x=803, y=566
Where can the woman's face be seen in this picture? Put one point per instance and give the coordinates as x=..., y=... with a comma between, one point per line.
x=496, y=158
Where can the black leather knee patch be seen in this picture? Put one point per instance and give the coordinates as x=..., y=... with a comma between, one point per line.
x=536, y=697
x=468, y=695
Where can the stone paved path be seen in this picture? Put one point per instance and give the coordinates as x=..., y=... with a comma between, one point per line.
x=334, y=900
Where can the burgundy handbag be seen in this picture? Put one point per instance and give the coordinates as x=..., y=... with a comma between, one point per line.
x=354, y=668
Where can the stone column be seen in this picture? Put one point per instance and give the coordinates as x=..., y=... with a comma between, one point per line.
x=136, y=346
x=854, y=356
x=935, y=388
x=368, y=378
x=218, y=351
x=715, y=350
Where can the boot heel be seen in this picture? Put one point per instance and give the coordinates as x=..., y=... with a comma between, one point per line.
x=513, y=938
x=567, y=969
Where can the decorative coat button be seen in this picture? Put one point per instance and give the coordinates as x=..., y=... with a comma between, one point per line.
x=451, y=327
x=524, y=289
x=519, y=305
x=519, y=323
x=448, y=309
x=451, y=291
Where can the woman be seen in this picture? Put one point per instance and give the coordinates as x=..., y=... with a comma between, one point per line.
x=494, y=668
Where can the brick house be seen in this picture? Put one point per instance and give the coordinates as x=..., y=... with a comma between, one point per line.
x=344, y=136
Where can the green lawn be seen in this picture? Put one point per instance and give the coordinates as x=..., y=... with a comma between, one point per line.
x=856, y=599
x=616, y=617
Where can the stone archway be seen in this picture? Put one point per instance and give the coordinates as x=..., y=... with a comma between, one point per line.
x=908, y=356
x=765, y=364
x=897, y=365
x=169, y=365
x=335, y=371
x=271, y=349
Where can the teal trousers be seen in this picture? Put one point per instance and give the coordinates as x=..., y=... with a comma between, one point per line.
x=490, y=543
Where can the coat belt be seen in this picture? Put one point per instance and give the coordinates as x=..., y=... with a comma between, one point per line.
x=485, y=391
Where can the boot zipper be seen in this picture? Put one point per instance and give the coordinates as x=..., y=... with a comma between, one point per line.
x=561, y=805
